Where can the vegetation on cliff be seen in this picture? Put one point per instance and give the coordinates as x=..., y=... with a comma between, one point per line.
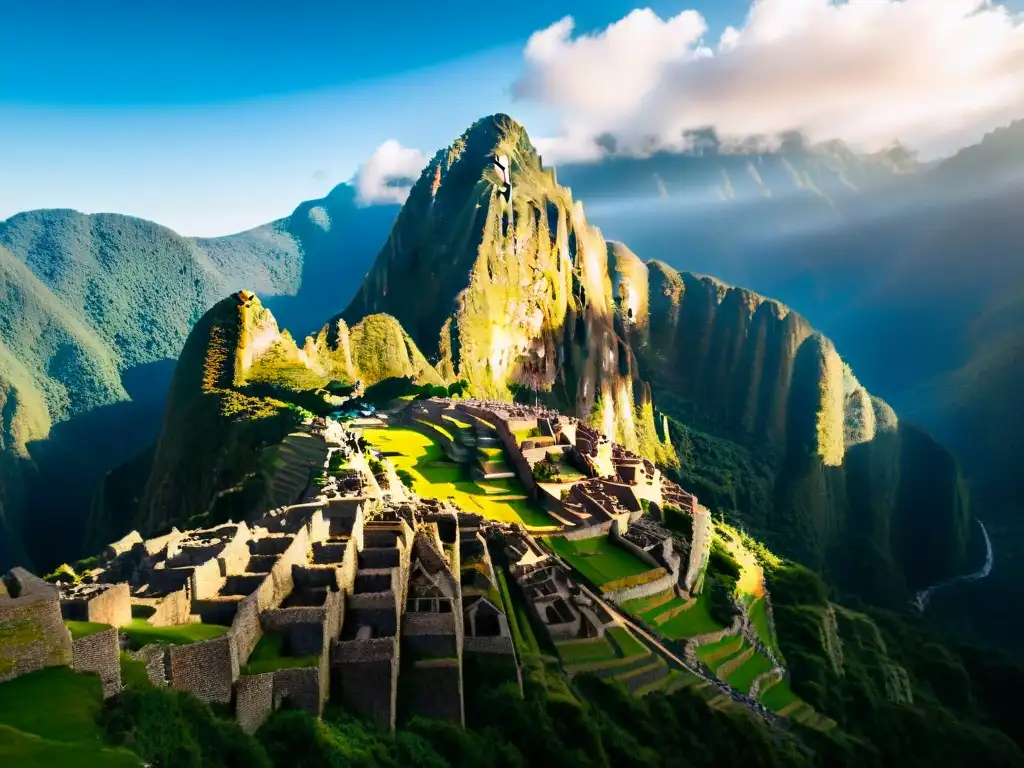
x=214, y=430
x=507, y=286
x=780, y=433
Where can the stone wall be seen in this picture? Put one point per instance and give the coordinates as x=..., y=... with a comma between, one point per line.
x=254, y=700
x=157, y=661
x=246, y=628
x=113, y=606
x=435, y=689
x=300, y=688
x=32, y=631
x=207, y=670
x=668, y=581
x=172, y=609
x=588, y=531
x=206, y=580
x=504, y=433
x=364, y=676
x=615, y=536
x=123, y=545
x=100, y=653
x=487, y=644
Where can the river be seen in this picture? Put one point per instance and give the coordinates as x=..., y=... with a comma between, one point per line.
x=925, y=595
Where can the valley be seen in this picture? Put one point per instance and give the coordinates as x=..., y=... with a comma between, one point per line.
x=523, y=479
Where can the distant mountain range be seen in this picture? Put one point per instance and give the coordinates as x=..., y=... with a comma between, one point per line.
x=97, y=307
x=869, y=246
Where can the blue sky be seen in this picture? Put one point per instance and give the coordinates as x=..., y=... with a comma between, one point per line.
x=216, y=116
x=211, y=116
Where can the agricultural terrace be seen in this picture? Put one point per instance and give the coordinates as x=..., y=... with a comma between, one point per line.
x=49, y=718
x=750, y=585
x=673, y=617
x=140, y=632
x=734, y=660
x=598, y=559
x=435, y=477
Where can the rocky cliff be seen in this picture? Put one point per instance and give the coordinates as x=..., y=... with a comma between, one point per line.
x=213, y=429
x=852, y=489
x=240, y=386
x=495, y=274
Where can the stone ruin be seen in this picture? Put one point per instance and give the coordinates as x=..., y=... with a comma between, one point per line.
x=357, y=584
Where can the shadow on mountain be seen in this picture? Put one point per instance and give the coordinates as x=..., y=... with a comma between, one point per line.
x=72, y=462
x=340, y=241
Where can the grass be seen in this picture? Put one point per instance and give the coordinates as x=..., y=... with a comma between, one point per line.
x=759, y=618
x=457, y=422
x=695, y=620
x=743, y=676
x=598, y=559
x=141, y=633
x=437, y=428
x=48, y=718
x=641, y=605
x=268, y=656
x=778, y=696
x=80, y=629
x=518, y=620
x=586, y=651
x=133, y=673
x=436, y=477
x=628, y=644
x=713, y=653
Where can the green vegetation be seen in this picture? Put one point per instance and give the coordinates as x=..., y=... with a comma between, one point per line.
x=381, y=349
x=625, y=641
x=585, y=651
x=759, y=617
x=518, y=619
x=79, y=629
x=49, y=718
x=598, y=559
x=269, y=656
x=171, y=728
x=102, y=301
x=141, y=633
x=690, y=622
x=433, y=476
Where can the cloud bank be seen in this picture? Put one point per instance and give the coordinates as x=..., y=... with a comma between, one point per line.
x=935, y=74
x=388, y=174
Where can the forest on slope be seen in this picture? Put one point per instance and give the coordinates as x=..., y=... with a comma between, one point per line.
x=97, y=309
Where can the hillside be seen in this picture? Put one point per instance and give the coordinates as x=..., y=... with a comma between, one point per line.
x=539, y=303
x=105, y=303
x=839, y=482
x=507, y=290
x=241, y=390
x=710, y=170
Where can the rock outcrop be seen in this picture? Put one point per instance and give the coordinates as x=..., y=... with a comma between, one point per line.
x=849, y=489
x=493, y=271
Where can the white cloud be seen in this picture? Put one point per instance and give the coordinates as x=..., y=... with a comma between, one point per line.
x=388, y=174
x=936, y=74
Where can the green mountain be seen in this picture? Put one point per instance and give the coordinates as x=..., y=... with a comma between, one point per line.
x=241, y=387
x=839, y=482
x=507, y=290
x=98, y=308
x=526, y=294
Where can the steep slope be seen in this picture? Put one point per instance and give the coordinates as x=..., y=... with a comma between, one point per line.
x=116, y=297
x=376, y=348
x=847, y=487
x=214, y=431
x=241, y=388
x=506, y=286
